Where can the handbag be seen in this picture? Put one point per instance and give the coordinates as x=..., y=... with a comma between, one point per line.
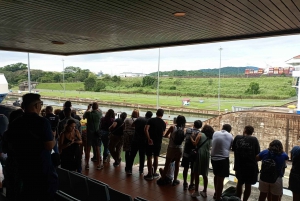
x=194, y=153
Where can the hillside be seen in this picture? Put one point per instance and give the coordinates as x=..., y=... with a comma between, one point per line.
x=225, y=71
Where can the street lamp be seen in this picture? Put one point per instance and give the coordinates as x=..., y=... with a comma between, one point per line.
x=29, y=82
x=157, y=90
x=63, y=63
x=219, y=105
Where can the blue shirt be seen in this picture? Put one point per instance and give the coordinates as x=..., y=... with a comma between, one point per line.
x=279, y=160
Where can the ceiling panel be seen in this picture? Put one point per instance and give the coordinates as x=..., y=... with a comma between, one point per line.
x=116, y=25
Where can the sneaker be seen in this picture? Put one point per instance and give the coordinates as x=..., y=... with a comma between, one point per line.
x=195, y=194
x=129, y=172
x=175, y=182
x=155, y=176
x=99, y=167
x=148, y=177
x=191, y=187
x=116, y=164
x=185, y=186
x=141, y=173
x=203, y=194
x=161, y=182
x=107, y=160
x=87, y=167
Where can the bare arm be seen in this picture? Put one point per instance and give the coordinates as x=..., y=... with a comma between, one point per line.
x=112, y=126
x=78, y=141
x=257, y=158
x=50, y=144
x=170, y=130
x=196, y=141
x=146, y=130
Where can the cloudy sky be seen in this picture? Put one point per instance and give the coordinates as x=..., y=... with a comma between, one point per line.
x=256, y=52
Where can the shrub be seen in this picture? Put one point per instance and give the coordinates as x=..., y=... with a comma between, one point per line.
x=172, y=88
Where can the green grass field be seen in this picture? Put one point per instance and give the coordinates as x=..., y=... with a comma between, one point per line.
x=270, y=87
x=165, y=101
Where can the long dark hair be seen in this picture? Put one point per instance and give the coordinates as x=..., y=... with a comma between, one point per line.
x=208, y=131
x=276, y=147
x=180, y=121
x=110, y=113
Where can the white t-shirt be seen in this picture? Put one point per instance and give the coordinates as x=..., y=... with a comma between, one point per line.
x=221, y=144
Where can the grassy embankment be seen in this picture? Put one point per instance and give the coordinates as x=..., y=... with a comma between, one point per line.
x=273, y=92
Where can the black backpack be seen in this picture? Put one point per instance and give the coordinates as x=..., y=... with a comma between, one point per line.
x=269, y=172
x=178, y=136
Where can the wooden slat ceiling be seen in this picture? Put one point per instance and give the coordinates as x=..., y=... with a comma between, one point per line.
x=115, y=25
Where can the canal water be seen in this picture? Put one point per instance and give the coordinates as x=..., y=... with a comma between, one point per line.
x=169, y=115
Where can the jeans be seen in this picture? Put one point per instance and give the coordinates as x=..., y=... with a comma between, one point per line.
x=136, y=147
x=115, y=146
x=105, y=141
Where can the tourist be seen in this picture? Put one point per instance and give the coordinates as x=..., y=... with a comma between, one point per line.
x=53, y=119
x=201, y=165
x=186, y=162
x=116, y=138
x=3, y=128
x=245, y=148
x=67, y=115
x=174, y=151
x=69, y=142
x=31, y=170
x=73, y=112
x=139, y=141
x=128, y=136
x=275, y=152
x=57, y=111
x=154, y=131
x=106, y=122
x=61, y=114
x=43, y=112
x=221, y=144
x=93, y=115
x=294, y=179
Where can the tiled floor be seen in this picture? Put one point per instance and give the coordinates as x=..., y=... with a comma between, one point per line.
x=135, y=185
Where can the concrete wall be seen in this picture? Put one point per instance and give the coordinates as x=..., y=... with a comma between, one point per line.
x=268, y=126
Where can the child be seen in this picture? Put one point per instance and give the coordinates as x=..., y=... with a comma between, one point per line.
x=170, y=174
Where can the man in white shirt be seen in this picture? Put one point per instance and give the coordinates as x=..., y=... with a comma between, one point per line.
x=221, y=145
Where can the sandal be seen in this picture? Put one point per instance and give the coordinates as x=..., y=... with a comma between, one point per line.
x=203, y=194
x=175, y=182
x=191, y=187
x=185, y=186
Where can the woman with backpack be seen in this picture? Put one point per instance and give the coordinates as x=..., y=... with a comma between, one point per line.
x=186, y=161
x=174, y=151
x=272, y=170
x=201, y=164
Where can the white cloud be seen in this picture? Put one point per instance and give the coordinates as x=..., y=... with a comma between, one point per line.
x=256, y=52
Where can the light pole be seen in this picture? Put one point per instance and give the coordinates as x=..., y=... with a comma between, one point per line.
x=63, y=63
x=219, y=104
x=157, y=90
x=29, y=82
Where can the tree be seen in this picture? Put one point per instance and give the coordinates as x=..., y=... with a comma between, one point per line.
x=148, y=81
x=99, y=86
x=115, y=78
x=15, y=67
x=253, y=88
x=89, y=83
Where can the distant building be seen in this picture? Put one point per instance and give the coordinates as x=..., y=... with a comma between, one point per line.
x=24, y=86
x=131, y=74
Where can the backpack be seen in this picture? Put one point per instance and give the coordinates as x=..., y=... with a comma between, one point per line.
x=178, y=136
x=269, y=172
